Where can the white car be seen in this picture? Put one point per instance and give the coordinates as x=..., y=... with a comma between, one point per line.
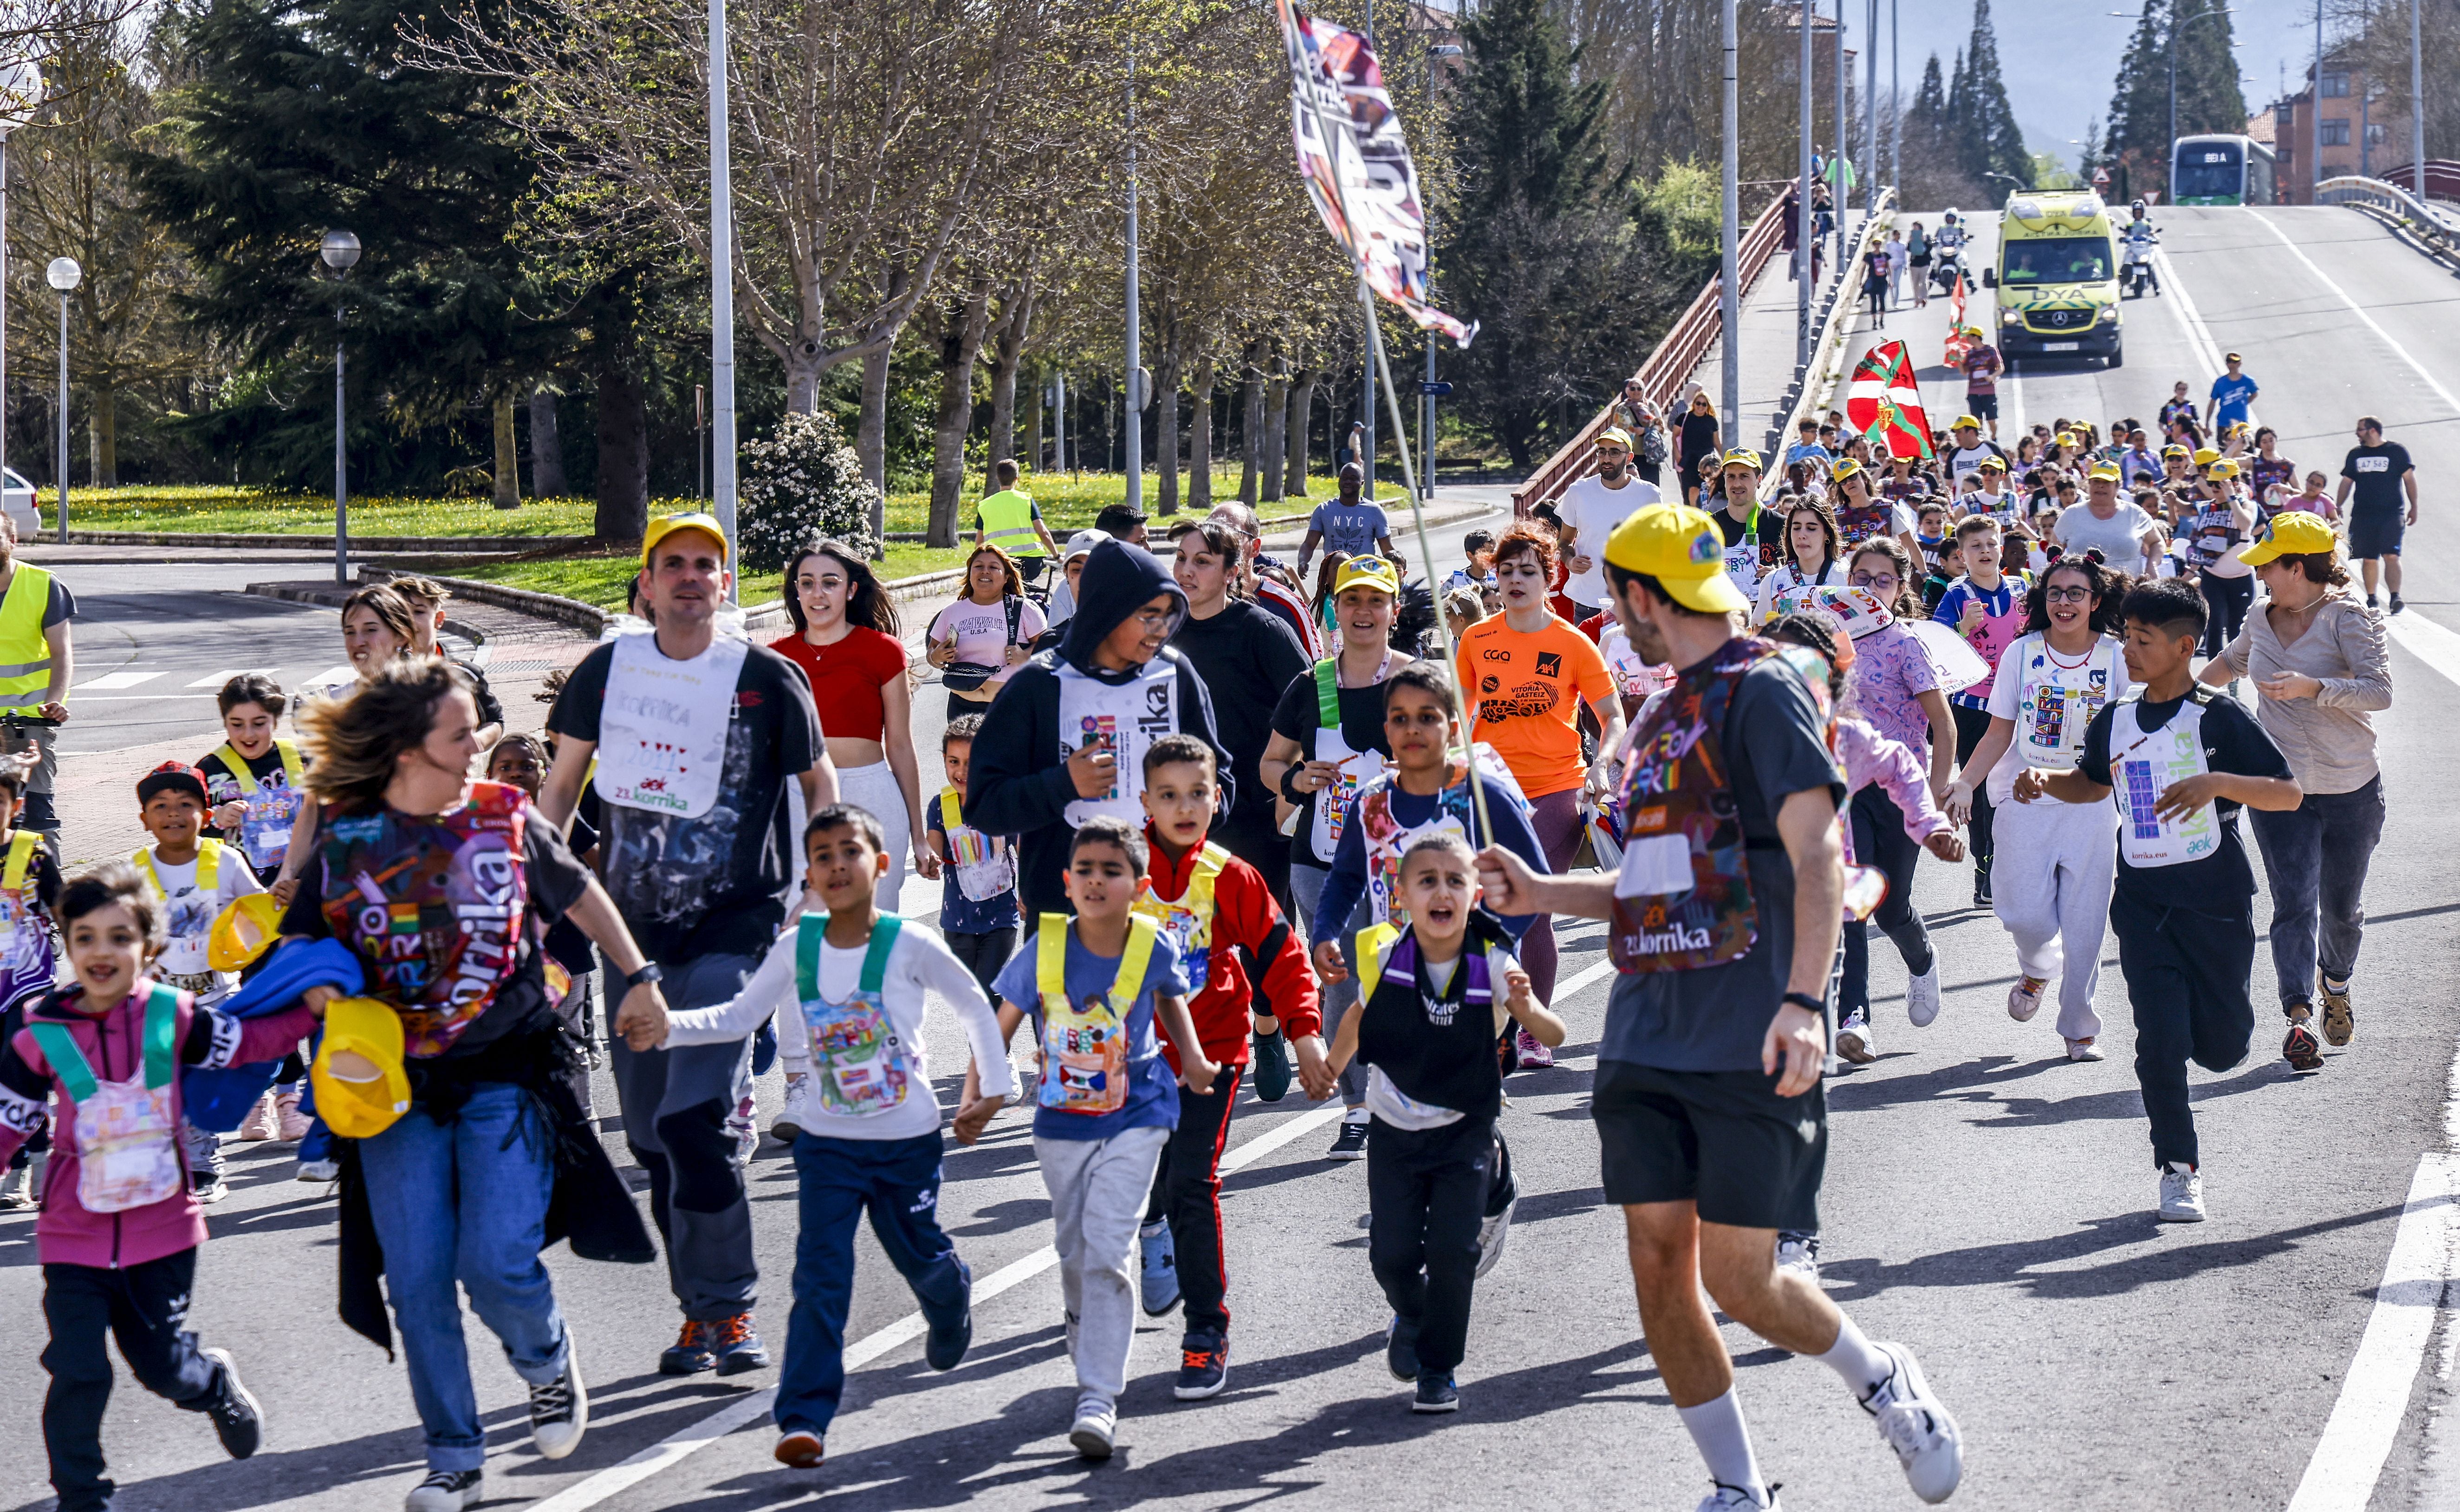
x=20, y=502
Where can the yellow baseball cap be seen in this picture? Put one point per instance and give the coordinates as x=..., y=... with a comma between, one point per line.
x=1680, y=547
x=2067, y=438
x=243, y=932
x=1845, y=468
x=2291, y=533
x=1742, y=457
x=2205, y=457
x=357, y=1075
x=1370, y=572
x=1964, y=421
x=2223, y=469
x=2105, y=469
x=1991, y=464
x=666, y=525
x=2173, y=449
x=1614, y=435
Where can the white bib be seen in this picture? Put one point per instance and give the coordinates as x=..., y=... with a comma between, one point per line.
x=1129, y=717
x=662, y=730
x=2142, y=764
x=2054, y=704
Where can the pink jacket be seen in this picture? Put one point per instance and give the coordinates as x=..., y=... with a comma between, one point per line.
x=112, y=1043
x=1871, y=757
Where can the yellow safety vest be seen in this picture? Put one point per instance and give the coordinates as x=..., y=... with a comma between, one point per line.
x=236, y=764
x=25, y=656
x=1008, y=523
x=209, y=856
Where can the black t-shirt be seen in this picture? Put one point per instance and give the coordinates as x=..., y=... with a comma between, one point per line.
x=1362, y=729
x=1245, y=655
x=565, y=940
x=1771, y=533
x=2233, y=743
x=2377, y=471
x=223, y=786
x=555, y=881
x=491, y=710
x=714, y=885
x=1699, y=433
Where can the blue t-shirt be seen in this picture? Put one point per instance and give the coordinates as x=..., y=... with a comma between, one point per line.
x=2231, y=396
x=1152, y=1087
x=1351, y=528
x=959, y=914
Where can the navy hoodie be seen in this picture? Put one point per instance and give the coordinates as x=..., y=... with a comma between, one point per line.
x=1018, y=783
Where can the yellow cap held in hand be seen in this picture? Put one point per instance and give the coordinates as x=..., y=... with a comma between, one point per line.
x=243, y=932
x=360, y=1085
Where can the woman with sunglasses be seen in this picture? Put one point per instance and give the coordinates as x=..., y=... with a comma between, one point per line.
x=2051, y=876
x=1696, y=439
x=1893, y=687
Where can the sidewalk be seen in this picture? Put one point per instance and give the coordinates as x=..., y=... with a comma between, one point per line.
x=1768, y=351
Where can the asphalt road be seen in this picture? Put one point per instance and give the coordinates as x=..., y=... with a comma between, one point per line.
x=1989, y=1202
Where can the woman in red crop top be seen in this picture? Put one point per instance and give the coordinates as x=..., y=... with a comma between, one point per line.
x=847, y=643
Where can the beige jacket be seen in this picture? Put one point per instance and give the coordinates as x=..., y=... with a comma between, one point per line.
x=2328, y=739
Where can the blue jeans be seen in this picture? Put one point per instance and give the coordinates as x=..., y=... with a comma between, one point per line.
x=466, y=1201
x=899, y=1179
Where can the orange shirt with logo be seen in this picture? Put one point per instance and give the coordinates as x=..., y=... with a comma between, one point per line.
x=1525, y=693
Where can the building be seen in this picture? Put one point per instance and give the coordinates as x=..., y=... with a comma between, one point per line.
x=2362, y=133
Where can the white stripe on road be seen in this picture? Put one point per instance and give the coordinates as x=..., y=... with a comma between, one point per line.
x=342, y=676
x=2199, y=334
x=740, y=1413
x=216, y=680
x=115, y=680
x=2431, y=643
x=2360, y=311
x=2374, y=1396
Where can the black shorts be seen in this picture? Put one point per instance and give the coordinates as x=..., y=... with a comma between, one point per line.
x=1723, y=1139
x=2377, y=532
x=1981, y=407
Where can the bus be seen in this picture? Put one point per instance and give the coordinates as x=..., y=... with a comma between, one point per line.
x=2221, y=171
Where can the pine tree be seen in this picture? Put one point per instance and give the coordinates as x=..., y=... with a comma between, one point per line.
x=2139, y=127
x=1930, y=100
x=2209, y=98
x=1993, y=142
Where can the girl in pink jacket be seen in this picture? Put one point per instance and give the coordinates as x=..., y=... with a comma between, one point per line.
x=118, y=1233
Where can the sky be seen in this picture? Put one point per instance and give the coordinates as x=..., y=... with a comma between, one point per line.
x=2060, y=58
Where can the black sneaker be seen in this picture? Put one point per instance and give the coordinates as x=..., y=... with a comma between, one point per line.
x=1204, y=1365
x=208, y=1188
x=2370, y=600
x=1401, y=1349
x=238, y=1421
x=1351, y=1145
x=944, y=1346
x=444, y=1491
x=1981, y=887
x=2396, y=605
x=1272, y=1059
x=1436, y=1393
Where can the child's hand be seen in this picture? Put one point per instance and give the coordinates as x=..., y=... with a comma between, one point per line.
x=1316, y=1076
x=1196, y=1072
x=1958, y=805
x=317, y=996
x=1517, y=993
x=1329, y=967
x=976, y=1116
x=2032, y=785
x=283, y=889
x=227, y=816
x=2186, y=795
x=926, y=864
x=641, y=1020
x=1946, y=846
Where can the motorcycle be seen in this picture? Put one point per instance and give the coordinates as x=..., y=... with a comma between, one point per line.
x=2136, y=269
x=1946, y=268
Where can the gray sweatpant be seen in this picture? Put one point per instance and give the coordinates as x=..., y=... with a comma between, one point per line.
x=1098, y=1189
x=1306, y=886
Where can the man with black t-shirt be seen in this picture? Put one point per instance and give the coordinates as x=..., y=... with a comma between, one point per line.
x=2386, y=483
x=1754, y=538
x=696, y=734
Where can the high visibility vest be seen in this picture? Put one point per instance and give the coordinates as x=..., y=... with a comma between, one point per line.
x=25, y=656
x=1008, y=523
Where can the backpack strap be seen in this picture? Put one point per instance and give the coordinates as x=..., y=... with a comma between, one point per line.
x=1051, y=959
x=21, y=859
x=237, y=765
x=1141, y=935
x=808, y=930
x=1015, y=616
x=161, y=1035
x=1372, y=941
x=1327, y=695
x=951, y=814
x=875, y=958
x=293, y=770
x=67, y=1063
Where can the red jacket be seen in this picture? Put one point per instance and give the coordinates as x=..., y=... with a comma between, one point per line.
x=1245, y=918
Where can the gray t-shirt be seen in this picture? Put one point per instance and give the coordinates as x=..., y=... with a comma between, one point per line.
x=1714, y=1018
x=2120, y=537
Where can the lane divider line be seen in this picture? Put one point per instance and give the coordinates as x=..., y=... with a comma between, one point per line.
x=2430, y=642
x=2360, y=311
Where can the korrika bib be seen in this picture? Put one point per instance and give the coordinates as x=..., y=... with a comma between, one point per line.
x=2053, y=706
x=1354, y=769
x=1084, y=1045
x=661, y=729
x=1126, y=717
x=127, y=1136
x=1743, y=558
x=2142, y=763
x=1186, y=921
x=1386, y=839
x=864, y=1068
x=265, y=829
x=985, y=868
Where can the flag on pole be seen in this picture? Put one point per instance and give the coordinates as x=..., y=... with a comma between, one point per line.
x=1884, y=403
x=1363, y=181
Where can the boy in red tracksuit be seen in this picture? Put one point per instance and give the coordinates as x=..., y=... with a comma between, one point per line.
x=1207, y=901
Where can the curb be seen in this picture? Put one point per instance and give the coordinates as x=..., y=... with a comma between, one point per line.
x=456, y=545
x=332, y=598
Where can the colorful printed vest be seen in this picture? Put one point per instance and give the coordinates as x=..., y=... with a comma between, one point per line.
x=985, y=870
x=864, y=1068
x=2144, y=763
x=1084, y=1045
x=188, y=920
x=435, y=906
x=127, y=1135
x=1186, y=921
x=1352, y=769
x=265, y=829
x=1856, y=523
x=26, y=953
x=1386, y=839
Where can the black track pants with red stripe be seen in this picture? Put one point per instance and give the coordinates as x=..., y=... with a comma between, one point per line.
x=1187, y=1191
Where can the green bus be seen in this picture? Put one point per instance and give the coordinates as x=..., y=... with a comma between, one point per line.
x=2221, y=171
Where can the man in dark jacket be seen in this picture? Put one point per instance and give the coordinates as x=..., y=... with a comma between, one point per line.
x=1065, y=738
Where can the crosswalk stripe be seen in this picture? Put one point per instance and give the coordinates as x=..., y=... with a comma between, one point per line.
x=215, y=680
x=332, y=677
x=116, y=679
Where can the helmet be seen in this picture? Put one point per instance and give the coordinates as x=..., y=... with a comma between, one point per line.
x=1950, y=214
x=2137, y=206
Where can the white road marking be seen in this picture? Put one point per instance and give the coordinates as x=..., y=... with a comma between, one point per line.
x=342, y=676
x=2431, y=643
x=215, y=680
x=2199, y=334
x=2360, y=311
x=115, y=680
x=742, y=1411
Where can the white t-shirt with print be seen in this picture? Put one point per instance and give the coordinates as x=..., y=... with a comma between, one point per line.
x=1593, y=510
x=981, y=632
x=189, y=918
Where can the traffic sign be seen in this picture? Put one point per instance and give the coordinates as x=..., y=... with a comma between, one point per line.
x=1438, y=390
x=2101, y=177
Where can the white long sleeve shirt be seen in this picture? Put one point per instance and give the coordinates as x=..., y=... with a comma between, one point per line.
x=919, y=959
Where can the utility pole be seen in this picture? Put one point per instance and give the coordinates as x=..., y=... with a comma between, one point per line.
x=1871, y=113
x=2314, y=117
x=1729, y=292
x=721, y=283
x=1836, y=158
x=1803, y=234
x=1135, y=397
x=1895, y=100
x=2417, y=96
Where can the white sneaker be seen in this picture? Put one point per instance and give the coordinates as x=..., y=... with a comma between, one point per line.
x=322, y=1170
x=2024, y=999
x=2182, y=1195
x=1917, y=1427
x=1921, y=995
x=560, y=1408
x=743, y=1124
x=1097, y=1427
x=1854, y=1041
x=795, y=1117
x=2084, y=1050
x=1492, y=1233
x=444, y=1491
x=1799, y=1253
x=1733, y=1499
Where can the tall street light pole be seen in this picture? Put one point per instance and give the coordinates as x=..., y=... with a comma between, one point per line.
x=340, y=251
x=1135, y=372
x=2416, y=97
x=63, y=275
x=1895, y=101
x=1729, y=293
x=1871, y=113
x=21, y=88
x=1803, y=234
x=721, y=284
x=1367, y=350
x=1837, y=158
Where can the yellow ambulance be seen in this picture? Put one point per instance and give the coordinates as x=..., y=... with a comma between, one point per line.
x=2056, y=278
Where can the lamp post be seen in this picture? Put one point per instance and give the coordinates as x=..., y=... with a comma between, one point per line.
x=63, y=275
x=1803, y=234
x=21, y=87
x=1729, y=233
x=1135, y=405
x=340, y=251
x=721, y=293
x=2416, y=98
x=1426, y=399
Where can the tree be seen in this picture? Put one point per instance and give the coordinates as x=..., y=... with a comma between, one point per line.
x=2138, y=143
x=1984, y=121
x=2209, y=98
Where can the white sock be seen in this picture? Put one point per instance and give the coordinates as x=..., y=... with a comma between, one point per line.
x=1862, y=1364
x=1725, y=1442
x=1357, y=1115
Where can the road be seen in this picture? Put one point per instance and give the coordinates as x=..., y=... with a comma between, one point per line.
x=1987, y=1201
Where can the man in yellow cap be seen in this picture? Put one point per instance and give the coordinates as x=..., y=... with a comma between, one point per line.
x=1708, y=1101
x=1967, y=451
x=696, y=733
x=1754, y=538
x=1590, y=510
x=2128, y=538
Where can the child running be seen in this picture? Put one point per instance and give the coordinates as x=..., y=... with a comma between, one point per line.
x=118, y=1235
x=1105, y=1103
x=2180, y=759
x=978, y=876
x=1214, y=909
x=1987, y=609
x=30, y=895
x=255, y=786
x=847, y=986
x=1428, y=1029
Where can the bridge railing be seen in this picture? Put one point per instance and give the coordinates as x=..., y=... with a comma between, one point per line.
x=2427, y=220
x=2442, y=177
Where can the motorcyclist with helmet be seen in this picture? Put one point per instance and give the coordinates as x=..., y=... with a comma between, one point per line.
x=2140, y=238
x=1948, y=242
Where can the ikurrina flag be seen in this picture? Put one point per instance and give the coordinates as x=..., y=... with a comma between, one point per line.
x=1362, y=180
x=1884, y=404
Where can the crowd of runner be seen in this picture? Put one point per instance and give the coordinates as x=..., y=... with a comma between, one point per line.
x=1210, y=823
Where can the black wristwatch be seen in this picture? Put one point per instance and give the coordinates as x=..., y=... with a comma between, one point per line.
x=1805, y=1000
x=644, y=976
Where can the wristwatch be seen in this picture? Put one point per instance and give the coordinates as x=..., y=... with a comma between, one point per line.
x=644, y=976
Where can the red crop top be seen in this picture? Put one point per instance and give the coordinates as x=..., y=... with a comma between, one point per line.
x=846, y=678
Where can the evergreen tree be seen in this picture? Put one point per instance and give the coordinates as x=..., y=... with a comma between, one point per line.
x=1987, y=127
x=2139, y=104
x=1930, y=100
x=1934, y=177
x=2209, y=98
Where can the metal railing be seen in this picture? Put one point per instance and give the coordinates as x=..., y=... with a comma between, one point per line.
x=1814, y=381
x=1677, y=354
x=2427, y=220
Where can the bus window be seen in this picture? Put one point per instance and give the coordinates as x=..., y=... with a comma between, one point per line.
x=2054, y=259
x=2209, y=170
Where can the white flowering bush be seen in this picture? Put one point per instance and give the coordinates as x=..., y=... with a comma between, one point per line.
x=800, y=484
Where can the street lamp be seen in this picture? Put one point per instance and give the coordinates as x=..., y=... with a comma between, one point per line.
x=21, y=89
x=340, y=250
x=63, y=275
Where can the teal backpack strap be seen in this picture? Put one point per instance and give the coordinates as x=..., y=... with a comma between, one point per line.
x=875, y=959
x=1327, y=695
x=808, y=930
x=161, y=1035
x=68, y=1062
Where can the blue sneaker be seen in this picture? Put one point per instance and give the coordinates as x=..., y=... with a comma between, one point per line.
x=1160, y=1276
x=943, y=1347
x=1436, y=1393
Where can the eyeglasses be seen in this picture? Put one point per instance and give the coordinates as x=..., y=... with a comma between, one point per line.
x=2067, y=594
x=1156, y=619
x=1873, y=580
